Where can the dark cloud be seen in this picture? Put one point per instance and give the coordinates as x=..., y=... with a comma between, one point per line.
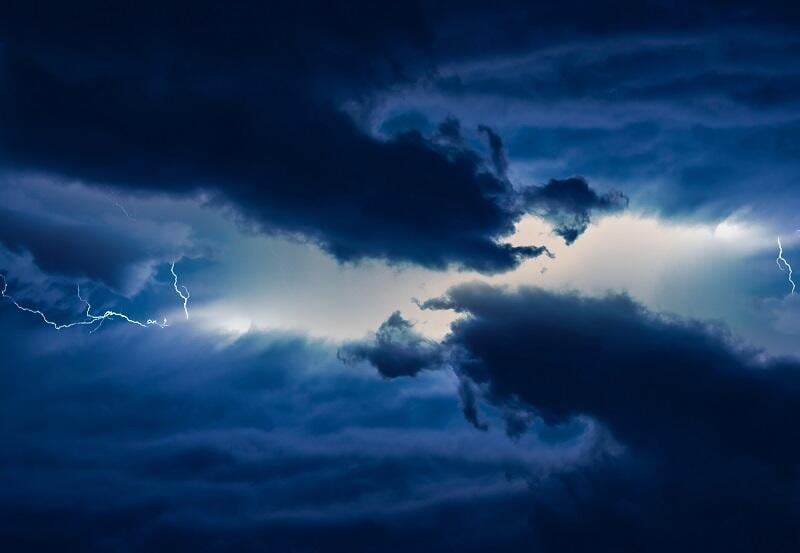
x=632, y=431
x=57, y=232
x=671, y=68
x=248, y=121
x=517, y=422
x=117, y=256
x=469, y=405
x=499, y=160
x=269, y=117
x=570, y=204
x=271, y=94
x=395, y=350
x=287, y=163
x=449, y=130
x=704, y=426
x=698, y=124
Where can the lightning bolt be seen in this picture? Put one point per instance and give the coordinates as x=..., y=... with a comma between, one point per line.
x=780, y=259
x=98, y=320
x=185, y=294
x=89, y=318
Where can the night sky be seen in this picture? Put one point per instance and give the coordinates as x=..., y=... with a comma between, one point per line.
x=319, y=277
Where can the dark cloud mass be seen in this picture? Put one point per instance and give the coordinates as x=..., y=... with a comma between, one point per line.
x=570, y=204
x=259, y=131
x=413, y=133
x=258, y=118
x=707, y=461
x=288, y=163
x=395, y=350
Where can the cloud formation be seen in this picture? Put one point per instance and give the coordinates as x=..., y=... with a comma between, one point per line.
x=415, y=133
x=176, y=440
x=705, y=425
x=570, y=205
x=699, y=123
x=249, y=125
x=395, y=350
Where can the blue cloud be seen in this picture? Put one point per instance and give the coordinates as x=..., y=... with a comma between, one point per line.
x=156, y=440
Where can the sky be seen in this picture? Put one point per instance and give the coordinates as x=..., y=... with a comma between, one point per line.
x=420, y=276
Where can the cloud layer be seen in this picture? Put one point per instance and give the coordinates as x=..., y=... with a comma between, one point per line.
x=162, y=440
x=266, y=145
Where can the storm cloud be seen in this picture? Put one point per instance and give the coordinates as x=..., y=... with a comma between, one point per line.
x=255, y=133
x=570, y=205
x=281, y=130
x=311, y=166
x=395, y=350
x=694, y=413
x=267, y=442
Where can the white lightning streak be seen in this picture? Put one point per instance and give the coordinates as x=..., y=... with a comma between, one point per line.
x=98, y=320
x=89, y=319
x=184, y=295
x=780, y=259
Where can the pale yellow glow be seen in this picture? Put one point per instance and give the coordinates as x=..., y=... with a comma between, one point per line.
x=684, y=269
